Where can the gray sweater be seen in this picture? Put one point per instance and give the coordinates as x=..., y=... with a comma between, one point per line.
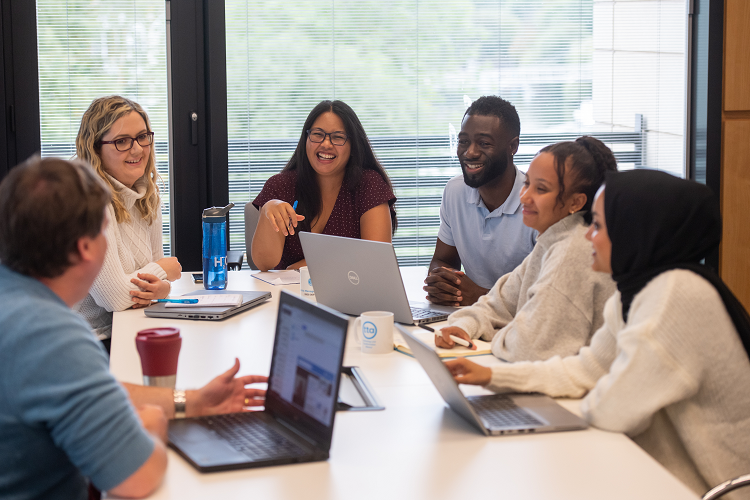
x=551, y=304
x=675, y=377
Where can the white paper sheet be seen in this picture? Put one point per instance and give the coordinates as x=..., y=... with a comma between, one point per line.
x=290, y=277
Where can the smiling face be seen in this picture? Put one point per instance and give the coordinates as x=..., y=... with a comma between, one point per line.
x=482, y=150
x=125, y=166
x=541, y=208
x=325, y=158
x=599, y=237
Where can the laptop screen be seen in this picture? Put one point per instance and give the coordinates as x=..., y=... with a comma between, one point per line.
x=306, y=365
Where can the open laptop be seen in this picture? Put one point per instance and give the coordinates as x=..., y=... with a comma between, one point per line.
x=297, y=422
x=354, y=276
x=494, y=414
x=249, y=300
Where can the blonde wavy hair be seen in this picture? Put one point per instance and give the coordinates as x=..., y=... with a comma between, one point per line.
x=96, y=122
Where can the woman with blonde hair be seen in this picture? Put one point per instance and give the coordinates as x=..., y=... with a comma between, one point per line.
x=115, y=137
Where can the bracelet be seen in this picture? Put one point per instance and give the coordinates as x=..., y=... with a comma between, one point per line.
x=179, y=403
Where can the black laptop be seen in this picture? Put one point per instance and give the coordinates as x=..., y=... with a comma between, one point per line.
x=297, y=423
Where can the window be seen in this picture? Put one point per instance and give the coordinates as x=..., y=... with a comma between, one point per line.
x=410, y=68
x=92, y=48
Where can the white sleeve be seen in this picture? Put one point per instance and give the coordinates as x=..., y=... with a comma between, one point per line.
x=572, y=376
x=157, y=239
x=547, y=324
x=645, y=377
x=112, y=286
x=494, y=310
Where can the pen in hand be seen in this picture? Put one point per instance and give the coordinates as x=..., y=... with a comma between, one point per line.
x=178, y=301
x=457, y=340
x=294, y=207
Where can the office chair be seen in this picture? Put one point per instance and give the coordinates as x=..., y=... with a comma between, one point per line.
x=252, y=215
x=726, y=487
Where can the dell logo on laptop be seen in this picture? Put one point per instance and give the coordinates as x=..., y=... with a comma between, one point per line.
x=353, y=278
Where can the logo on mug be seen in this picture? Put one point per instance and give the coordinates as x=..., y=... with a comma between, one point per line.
x=353, y=278
x=309, y=281
x=369, y=330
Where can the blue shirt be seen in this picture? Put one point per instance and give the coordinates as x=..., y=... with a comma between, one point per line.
x=63, y=417
x=490, y=244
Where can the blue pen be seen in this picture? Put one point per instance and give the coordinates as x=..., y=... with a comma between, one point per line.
x=294, y=207
x=179, y=301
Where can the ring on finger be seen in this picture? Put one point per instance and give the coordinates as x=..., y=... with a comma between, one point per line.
x=247, y=401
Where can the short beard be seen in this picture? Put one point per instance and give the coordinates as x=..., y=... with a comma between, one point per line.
x=494, y=168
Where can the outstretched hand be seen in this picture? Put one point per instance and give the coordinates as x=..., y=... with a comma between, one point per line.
x=468, y=372
x=450, y=287
x=226, y=394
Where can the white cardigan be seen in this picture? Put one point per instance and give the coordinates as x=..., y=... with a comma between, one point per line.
x=132, y=248
x=675, y=377
x=550, y=304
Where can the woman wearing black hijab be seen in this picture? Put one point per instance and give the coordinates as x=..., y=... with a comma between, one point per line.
x=670, y=366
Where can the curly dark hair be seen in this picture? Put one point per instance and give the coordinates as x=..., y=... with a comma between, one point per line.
x=587, y=159
x=491, y=105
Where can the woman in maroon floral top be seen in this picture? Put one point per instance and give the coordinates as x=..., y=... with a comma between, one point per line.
x=339, y=185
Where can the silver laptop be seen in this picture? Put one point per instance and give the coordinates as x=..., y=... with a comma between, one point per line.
x=494, y=414
x=297, y=422
x=354, y=276
x=249, y=300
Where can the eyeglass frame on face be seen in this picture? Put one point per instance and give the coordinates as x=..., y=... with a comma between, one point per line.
x=133, y=140
x=330, y=137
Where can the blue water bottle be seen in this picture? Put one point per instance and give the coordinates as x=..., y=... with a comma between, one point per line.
x=215, y=247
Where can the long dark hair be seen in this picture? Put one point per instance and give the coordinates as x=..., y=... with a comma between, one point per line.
x=589, y=160
x=361, y=158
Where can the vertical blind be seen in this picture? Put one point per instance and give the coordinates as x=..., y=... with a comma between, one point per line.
x=409, y=69
x=93, y=48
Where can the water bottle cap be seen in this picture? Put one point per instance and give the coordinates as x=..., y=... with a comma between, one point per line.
x=216, y=214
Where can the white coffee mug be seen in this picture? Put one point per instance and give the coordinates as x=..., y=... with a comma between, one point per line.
x=374, y=332
x=305, y=284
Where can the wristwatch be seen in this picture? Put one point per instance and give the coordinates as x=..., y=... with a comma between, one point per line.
x=179, y=403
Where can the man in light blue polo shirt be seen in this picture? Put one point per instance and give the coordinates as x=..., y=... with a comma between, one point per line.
x=481, y=224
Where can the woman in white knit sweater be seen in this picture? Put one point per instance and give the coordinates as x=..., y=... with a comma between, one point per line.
x=670, y=366
x=115, y=137
x=553, y=302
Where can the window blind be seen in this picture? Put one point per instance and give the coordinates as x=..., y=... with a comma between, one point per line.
x=409, y=69
x=93, y=48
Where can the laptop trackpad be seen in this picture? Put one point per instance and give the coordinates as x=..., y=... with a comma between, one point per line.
x=204, y=446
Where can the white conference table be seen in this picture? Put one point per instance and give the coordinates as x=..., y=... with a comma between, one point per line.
x=416, y=448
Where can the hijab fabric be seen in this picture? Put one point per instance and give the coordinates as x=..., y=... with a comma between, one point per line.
x=658, y=222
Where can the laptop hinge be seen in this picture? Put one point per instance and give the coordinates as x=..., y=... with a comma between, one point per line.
x=291, y=428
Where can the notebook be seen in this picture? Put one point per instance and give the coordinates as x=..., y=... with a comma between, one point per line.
x=354, y=276
x=428, y=338
x=495, y=414
x=249, y=300
x=297, y=422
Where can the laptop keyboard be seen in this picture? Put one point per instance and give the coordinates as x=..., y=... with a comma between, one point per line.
x=419, y=313
x=253, y=437
x=501, y=411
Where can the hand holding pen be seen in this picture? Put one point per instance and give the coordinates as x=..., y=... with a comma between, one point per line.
x=282, y=216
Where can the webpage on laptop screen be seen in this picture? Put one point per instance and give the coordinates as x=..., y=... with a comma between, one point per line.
x=305, y=363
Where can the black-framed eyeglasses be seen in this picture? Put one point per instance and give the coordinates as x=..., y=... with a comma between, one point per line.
x=126, y=143
x=318, y=136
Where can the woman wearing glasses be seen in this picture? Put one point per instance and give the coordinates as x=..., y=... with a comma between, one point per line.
x=116, y=139
x=339, y=186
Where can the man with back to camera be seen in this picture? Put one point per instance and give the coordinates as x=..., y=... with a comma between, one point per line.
x=64, y=420
x=481, y=224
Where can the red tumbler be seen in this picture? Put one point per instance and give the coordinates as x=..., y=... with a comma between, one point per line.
x=159, y=349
